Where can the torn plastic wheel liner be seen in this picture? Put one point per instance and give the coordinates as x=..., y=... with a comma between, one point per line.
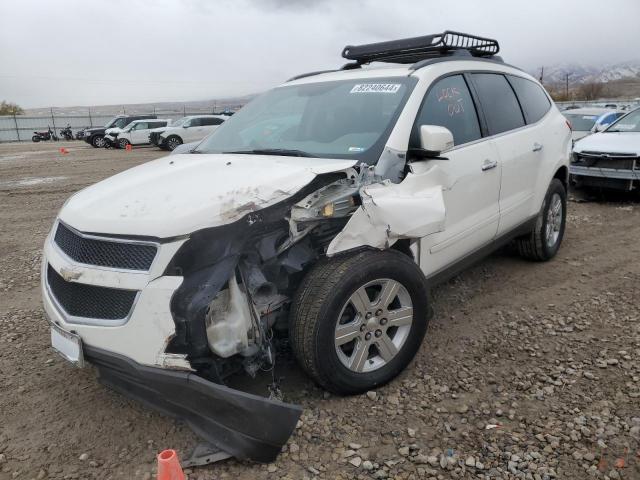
x=246, y=426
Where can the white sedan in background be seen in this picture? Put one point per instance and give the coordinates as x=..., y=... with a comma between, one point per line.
x=585, y=121
x=611, y=158
x=185, y=130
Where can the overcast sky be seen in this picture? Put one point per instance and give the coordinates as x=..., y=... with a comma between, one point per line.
x=68, y=52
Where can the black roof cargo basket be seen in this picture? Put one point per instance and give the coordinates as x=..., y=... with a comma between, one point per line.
x=411, y=50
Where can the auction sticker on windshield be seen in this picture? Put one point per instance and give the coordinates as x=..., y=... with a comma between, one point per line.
x=376, y=88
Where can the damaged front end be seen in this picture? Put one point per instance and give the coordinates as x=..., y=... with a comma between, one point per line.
x=231, y=310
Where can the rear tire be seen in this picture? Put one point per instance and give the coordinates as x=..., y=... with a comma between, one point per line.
x=543, y=242
x=98, y=141
x=347, y=349
x=35, y=138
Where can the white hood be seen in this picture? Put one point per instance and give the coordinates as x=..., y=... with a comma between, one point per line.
x=610, y=142
x=179, y=194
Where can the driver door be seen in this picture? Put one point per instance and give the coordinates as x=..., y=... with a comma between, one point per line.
x=470, y=176
x=140, y=133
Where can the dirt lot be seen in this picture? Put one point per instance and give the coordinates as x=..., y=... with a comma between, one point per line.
x=548, y=354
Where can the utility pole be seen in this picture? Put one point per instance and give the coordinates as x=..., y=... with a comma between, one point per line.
x=53, y=120
x=567, y=85
x=541, y=73
x=15, y=120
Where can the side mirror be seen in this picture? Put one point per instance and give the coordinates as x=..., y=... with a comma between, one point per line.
x=185, y=126
x=600, y=127
x=434, y=140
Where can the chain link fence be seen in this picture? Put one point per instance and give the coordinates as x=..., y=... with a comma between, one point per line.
x=20, y=128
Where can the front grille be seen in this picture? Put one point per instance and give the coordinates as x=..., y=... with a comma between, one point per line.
x=620, y=161
x=104, y=253
x=89, y=301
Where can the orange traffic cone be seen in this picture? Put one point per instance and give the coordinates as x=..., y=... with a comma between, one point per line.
x=169, y=466
x=63, y=150
x=128, y=148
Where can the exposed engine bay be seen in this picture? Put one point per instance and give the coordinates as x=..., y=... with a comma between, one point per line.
x=239, y=278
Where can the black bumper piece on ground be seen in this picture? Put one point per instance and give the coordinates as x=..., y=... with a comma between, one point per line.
x=246, y=426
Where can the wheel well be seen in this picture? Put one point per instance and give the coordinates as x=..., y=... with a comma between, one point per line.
x=403, y=246
x=562, y=174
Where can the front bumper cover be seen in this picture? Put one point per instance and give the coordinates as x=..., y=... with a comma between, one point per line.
x=244, y=425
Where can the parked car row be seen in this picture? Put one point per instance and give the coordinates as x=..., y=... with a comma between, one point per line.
x=125, y=130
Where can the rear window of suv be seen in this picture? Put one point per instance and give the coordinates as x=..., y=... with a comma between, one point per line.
x=533, y=100
x=499, y=103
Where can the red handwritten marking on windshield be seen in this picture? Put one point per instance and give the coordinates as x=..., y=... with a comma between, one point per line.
x=448, y=93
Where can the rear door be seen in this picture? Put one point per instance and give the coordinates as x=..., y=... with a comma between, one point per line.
x=519, y=146
x=472, y=172
x=210, y=124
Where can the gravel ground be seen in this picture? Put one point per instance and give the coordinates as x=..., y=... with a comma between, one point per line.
x=528, y=371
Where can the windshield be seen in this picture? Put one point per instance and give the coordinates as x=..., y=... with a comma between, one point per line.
x=119, y=123
x=111, y=123
x=581, y=122
x=629, y=123
x=180, y=122
x=341, y=119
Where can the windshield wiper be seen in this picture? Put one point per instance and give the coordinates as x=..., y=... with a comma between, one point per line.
x=274, y=151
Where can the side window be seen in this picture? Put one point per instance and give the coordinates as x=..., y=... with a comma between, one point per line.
x=211, y=121
x=141, y=126
x=195, y=122
x=449, y=104
x=533, y=100
x=499, y=103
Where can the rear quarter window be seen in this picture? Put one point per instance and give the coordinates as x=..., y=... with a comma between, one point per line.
x=499, y=103
x=533, y=99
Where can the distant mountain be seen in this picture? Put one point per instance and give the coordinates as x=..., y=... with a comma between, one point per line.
x=197, y=106
x=581, y=73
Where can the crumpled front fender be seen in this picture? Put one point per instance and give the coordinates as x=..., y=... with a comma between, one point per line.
x=413, y=208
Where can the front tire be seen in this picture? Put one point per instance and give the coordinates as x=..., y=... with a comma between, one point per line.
x=358, y=320
x=173, y=142
x=98, y=141
x=122, y=143
x=543, y=242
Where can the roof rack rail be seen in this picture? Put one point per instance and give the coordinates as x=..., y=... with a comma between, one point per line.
x=412, y=50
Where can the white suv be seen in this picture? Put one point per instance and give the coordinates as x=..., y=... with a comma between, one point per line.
x=186, y=130
x=320, y=214
x=136, y=133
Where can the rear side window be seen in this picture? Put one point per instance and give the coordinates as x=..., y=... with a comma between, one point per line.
x=449, y=104
x=499, y=103
x=211, y=121
x=533, y=100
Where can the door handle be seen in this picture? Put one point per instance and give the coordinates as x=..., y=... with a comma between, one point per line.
x=537, y=147
x=489, y=164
